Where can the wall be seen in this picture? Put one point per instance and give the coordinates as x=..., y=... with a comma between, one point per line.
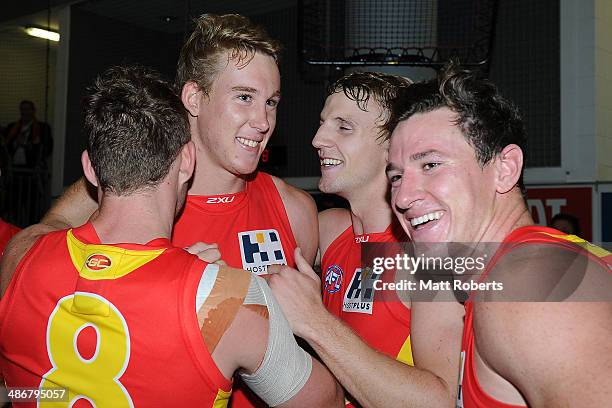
x=603, y=88
x=23, y=73
x=97, y=43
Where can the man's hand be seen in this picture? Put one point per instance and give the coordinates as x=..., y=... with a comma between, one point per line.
x=299, y=294
x=207, y=252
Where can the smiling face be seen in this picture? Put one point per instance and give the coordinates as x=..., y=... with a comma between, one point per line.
x=439, y=191
x=236, y=119
x=349, y=152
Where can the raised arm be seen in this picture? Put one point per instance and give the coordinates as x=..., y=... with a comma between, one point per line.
x=241, y=305
x=432, y=383
x=73, y=208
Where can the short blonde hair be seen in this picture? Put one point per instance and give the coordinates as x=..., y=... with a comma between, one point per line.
x=212, y=37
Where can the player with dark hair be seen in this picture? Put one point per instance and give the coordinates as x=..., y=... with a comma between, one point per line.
x=543, y=340
x=370, y=349
x=352, y=144
x=100, y=309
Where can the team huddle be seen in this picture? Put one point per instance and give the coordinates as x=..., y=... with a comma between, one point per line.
x=177, y=274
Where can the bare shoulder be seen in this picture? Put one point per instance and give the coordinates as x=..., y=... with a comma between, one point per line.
x=332, y=223
x=548, y=334
x=302, y=212
x=16, y=249
x=293, y=196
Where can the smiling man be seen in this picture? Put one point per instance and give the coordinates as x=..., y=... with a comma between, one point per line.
x=352, y=144
x=365, y=337
x=119, y=304
x=228, y=73
x=455, y=166
x=229, y=81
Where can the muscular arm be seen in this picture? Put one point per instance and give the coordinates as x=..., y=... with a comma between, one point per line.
x=19, y=245
x=556, y=353
x=73, y=208
x=235, y=312
x=302, y=212
x=373, y=378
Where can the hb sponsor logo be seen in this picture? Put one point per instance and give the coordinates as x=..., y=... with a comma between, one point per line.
x=333, y=279
x=359, y=297
x=259, y=249
x=97, y=262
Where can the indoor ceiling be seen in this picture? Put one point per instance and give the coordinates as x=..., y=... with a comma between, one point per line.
x=160, y=15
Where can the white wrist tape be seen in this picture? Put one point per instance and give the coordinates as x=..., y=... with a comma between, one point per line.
x=285, y=367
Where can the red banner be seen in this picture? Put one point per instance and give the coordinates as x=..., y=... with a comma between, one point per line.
x=545, y=203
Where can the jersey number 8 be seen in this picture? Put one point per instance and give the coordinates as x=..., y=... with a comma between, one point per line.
x=97, y=378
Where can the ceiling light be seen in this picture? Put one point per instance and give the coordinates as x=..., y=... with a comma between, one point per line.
x=46, y=34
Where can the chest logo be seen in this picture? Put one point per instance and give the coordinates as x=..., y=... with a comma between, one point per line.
x=359, y=296
x=97, y=262
x=260, y=248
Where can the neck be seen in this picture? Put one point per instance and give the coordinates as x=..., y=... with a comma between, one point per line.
x=212, y=179
x=370, y=210
x=136, y=218
x=508, y=216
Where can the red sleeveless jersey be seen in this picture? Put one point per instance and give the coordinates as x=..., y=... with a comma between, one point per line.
x=251, y=227
x=384, y=324
x=252, y=230
x=6, y=233
x=114, y=324
x=471, y=394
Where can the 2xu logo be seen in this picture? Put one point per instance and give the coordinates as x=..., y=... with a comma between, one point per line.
x=220, y=200
x=98, y=262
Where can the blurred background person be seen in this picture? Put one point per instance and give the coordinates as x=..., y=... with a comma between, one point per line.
x=566, y=223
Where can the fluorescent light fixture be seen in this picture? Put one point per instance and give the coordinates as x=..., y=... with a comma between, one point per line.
x=46, y=34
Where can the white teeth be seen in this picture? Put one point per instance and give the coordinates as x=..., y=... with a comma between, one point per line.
x=330, y=162
x=247, y=142
x=424, y=218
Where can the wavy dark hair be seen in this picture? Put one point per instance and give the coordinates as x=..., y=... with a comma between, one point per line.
x=363, y=86
x=488, y=121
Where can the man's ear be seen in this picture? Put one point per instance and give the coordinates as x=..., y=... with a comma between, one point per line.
x=90, y=174
x=508, y=165
x=385, y=145
x=187, y=164
x=191, y=96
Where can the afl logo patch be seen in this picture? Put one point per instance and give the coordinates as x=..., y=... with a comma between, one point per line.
x=333, y=279
x=97, y=262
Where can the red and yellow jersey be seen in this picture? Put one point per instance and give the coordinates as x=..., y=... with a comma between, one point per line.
x=348, y=292
x=7, y=231
x=470, y=393
x=114, y=324
x=251, y=227
x=252, y=230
